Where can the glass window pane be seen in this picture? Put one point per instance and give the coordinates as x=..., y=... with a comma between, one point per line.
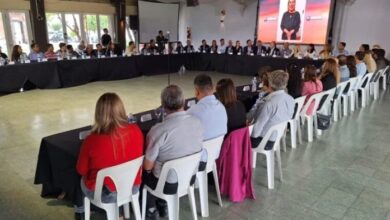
x=91, y=32
x=3, y=42
x=18, y=23
x=72, y=22
x=105, y=22
x=55, y=29
x=129, y=32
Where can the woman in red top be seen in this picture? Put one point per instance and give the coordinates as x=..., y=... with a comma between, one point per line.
x=113, y=141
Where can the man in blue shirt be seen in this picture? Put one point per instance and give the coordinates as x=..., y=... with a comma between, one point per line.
x=35, y=54
x=361, y=68
x=340, y=50
x=344, y=71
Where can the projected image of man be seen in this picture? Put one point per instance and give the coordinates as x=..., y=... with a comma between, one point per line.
x=291, y=22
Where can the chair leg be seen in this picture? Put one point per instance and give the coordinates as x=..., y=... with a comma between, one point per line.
x=310, y=128
x=335, y=111
x=345, y=105
x=87, y=208
x=363, y=98
x=293, y=134
x=173, y=207
x=191, y=197
x=203, y=193
x=254, y=156
x=126, y=210
x=112, y=213
x=299, y=129
x=144, y=196
x=352, y=99
x=278, y=157
x=216, y=181
x=135, y=206
x=270, y=168
x=283, y=139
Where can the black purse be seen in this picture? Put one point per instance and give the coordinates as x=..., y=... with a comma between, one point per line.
x=323, y=121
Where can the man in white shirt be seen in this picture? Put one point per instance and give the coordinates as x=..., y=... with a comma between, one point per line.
x=222, y=47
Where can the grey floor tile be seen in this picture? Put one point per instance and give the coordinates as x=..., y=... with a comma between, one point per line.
x=330, y=208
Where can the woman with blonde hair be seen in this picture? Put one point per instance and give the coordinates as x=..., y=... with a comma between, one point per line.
x=326, y=52
x=330, y=74
x=297, y=53
x=370, y=62
x=112, y=141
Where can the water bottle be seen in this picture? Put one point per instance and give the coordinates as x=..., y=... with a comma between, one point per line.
x=254, y=84
x=111, y=54
x=99, y=54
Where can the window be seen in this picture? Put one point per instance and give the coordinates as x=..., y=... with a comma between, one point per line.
x=20, y=36
x=91, y=29
x=130, y=36
x=73, y=30
x=55, y=29
x=3, y=41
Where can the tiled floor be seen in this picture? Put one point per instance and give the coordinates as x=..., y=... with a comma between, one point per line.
x=344, y=174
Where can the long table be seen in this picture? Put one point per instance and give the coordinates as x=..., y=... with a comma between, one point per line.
x=68, y=73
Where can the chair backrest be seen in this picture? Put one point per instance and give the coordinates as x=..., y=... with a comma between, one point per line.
x=316, y=98
x=279, y=130
x=365, y=81
x=299, y=102
x=327, y=97
x=213, y=148
x=123, y=176
x=384, y=70
x=340, y=89
x=184, y=167
x=350, y=85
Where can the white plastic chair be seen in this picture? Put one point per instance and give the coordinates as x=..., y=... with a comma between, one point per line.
x=383, y=76
x=326, y=107
x=270, y=154
x=185, y=168
x=346, y=96
x=354, y=97
x=374, y=84
x=213, y=148
x=364, y=88
x=337, y=100
x=311, y=119
x=295, y=124
x=123, y=176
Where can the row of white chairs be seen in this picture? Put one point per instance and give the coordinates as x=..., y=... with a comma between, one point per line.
x=344, y=98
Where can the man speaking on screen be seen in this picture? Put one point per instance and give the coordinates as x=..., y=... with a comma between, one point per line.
x=291, y=21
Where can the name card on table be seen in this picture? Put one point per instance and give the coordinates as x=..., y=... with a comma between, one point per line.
x=88, y=57
x=11, y=63
x=246, y=88
x=147, y=117
x=44, y=60
x=27, y=61
x=74, y=58
x=191, y=103
x=239, y=54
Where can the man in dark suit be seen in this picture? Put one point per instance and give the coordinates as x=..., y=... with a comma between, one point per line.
x=229, y=49
x=161, y=41
x=204, y=48
x=106, y=38
x=249, y=48
x=189, y=48
x=260, y=49
x=273, y=50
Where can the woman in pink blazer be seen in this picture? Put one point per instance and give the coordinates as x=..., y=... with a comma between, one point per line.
x=311, y=85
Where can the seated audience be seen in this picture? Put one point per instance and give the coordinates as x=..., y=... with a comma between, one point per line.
x=179, y=48
x=214, y=47
x=99, y=50
x=260, y=48
x=286, y=51
x=35, y=53
x=236, y=113
x=326, y=52
x=3, y=55
x=222, y=46
x=209, y=110
x=277, y=107
x=113, y=49
x=330, y=74
x=179, y=135
x=273, y=50
x=230, y=48
x=131, y=49
x=311, y=52
x=113, y=141
x=237, y=49
x=340, y=50
x=361, y=68
x=189, y=48
x=297, y=52
x=146, y=49
x=379, y=57
x=311, y=85
x=204, y=48
x=17, y=54
x=249, y=49
x=294, y=84
x=90, y=52
x=70, y=52
x=344, y=71
x=49, y=54
x=351, y=64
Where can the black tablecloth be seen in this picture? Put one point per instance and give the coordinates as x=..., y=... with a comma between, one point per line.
x=68, y=73
x=57, y=158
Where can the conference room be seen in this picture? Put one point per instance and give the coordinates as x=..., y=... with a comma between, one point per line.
x=194, y=109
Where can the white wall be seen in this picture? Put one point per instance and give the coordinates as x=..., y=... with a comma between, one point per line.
x=205, y=21
x=364, y=21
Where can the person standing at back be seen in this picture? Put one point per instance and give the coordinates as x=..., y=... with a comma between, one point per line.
x=106, y=38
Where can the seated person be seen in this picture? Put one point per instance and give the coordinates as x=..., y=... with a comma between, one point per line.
x=237, y=49
x=230, y=48
x=286, y=51
x=379, y=57
x=179, y=135
x=326, y=52
x=90, y=52
x=131, y=49
x=294, y=84
x=70, y=52
x=179, y=47
x=311, y=85
x=361, y=68
x=260, y=49
x=340, y=50
x=17, y=54
x=344, y=71
x=146, y=49
x=112, y=142
x=297, y=52
x=99, y=50
x=330, y=74
x=222, y=46
x=152, y=47
x=351, y=64
x=278, y=107
x=236, y=113
x=249, y=49
x=204, y=48
x=61, y=53
x=189, y=48
x=311, y=52
x=273, y=50
x=113, y=49
x=35, y=53
x=81, y=47
x=214, y=47
x=209, y=110
x=49, y=54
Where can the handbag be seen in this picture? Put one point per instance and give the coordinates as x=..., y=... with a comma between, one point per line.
x=323, y=121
